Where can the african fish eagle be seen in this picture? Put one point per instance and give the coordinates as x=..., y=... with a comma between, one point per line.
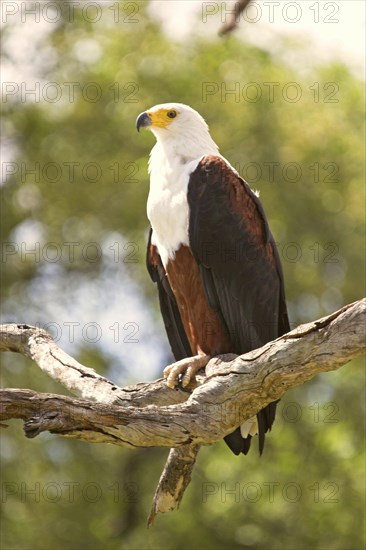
x=211, y=254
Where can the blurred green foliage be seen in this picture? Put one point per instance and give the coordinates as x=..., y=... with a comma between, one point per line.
x=89, y=182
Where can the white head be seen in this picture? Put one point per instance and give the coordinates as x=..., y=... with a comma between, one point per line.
x=178, y=128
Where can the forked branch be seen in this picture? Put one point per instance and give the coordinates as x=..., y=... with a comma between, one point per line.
x=144, y=415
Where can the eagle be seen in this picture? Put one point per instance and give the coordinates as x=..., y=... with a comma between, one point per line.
x=211, y=254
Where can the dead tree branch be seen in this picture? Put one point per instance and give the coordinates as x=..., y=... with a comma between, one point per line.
x=237, y=9
x=152, y=415
x=38, y=345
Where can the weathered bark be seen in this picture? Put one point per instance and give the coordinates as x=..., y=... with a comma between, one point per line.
x=174, y=480
x=38, y=345
x=152, y=415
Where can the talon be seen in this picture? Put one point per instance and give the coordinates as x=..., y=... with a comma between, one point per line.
x=171, y=381
x=185, y=371
x=188, y=376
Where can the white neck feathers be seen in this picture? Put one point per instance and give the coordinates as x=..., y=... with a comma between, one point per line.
x=174, y=157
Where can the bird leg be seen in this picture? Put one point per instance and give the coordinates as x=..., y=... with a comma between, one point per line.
x=185, y=371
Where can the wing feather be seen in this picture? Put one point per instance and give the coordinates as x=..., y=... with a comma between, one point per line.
x=237, y=257
x=239, y=264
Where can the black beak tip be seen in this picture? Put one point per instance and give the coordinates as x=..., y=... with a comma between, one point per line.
x=142, y=121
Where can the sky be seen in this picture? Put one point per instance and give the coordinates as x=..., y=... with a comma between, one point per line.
x=329, y=29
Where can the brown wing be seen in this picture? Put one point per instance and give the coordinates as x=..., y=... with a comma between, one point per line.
x=231, y=242
x=239, y=264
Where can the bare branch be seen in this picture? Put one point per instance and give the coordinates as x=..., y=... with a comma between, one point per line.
x=38, y=345
x=238, y=8
x=174, y=480
x=85, y=382
x=233, y=390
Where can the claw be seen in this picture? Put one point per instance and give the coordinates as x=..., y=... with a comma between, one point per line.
x=185, y=371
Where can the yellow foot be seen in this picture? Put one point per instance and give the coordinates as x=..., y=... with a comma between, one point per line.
x=186, y=369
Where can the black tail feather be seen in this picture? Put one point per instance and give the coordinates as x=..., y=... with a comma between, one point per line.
x=235, y=442
x=238, y=444
x=261, y=419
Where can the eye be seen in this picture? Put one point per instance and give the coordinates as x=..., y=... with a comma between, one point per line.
x=172, y=114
